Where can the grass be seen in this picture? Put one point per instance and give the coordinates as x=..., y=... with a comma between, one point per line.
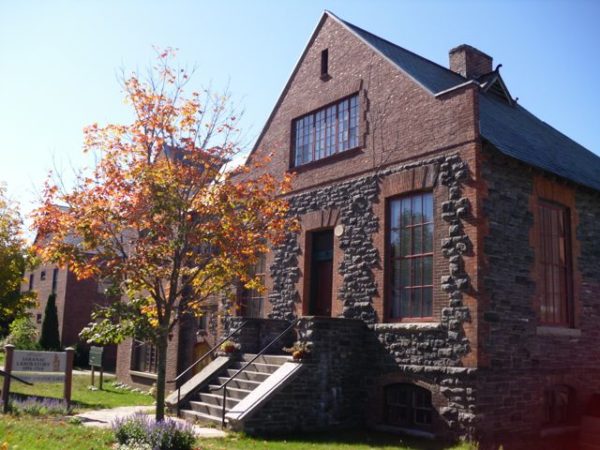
x=30, y=433
x=60, y=433
x=82, y=397
x=342, y=440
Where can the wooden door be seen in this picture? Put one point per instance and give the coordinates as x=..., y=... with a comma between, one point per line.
x=321, y=273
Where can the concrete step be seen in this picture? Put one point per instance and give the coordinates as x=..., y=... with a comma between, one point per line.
x=231, y=391
x=217, y=399
x=248, y=375
x=256, y=367
x=239, y=383
x=195, y=416
x=207, y=408
x=267, y=359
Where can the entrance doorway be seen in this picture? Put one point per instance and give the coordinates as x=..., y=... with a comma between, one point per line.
x=321, y=273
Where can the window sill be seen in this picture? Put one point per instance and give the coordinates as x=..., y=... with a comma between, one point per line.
x=327, y=160
x=559, y=430
x=558, y=331
x=149, y=375
x=408, y=326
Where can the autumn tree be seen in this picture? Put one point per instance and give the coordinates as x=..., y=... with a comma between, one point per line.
x=161, y=215
x=15, y=259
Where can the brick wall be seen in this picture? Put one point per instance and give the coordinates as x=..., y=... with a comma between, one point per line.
x=75, y=301
x=523, y=358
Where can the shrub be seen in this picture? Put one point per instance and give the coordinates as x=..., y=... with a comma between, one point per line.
x=50, y=338
x=142, y=432
x=23, y=334
x=39, y=407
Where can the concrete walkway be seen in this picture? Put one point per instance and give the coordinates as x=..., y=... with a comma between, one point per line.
x=103, y=418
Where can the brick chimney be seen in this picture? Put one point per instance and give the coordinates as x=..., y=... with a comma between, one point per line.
x=469, y=62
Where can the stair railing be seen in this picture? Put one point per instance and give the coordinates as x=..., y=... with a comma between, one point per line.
x=231, y=378
x=209, y=352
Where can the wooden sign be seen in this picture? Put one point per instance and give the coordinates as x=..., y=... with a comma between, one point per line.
x=29, y=361
x=38, y=366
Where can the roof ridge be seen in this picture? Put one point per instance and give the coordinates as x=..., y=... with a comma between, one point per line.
x=396, y=45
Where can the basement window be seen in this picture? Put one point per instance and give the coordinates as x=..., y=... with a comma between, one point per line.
x=559, y=406
x=408, y=406
x=326, y=132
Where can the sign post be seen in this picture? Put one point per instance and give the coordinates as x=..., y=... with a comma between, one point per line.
x=96, y=361
x=8, y=352
x=33, y=365
x=68, y=375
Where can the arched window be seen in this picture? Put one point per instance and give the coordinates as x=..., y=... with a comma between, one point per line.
x=559, y=405
x=407, y=405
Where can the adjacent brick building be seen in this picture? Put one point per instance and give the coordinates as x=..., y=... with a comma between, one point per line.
x=75, y=301
x=458, y=228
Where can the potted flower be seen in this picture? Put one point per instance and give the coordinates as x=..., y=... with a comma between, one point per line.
x=229, y=347
x=299, y=350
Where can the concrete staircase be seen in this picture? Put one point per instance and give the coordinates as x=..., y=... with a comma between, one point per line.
x=207, y=405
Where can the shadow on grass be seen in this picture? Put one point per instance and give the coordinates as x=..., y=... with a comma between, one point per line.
x=75, y=404
x=370, y=438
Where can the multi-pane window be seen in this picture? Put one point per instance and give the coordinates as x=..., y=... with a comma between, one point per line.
x=330, y=130
x=554, y=264
x=407, y=405
x=144, y=357
x=31, y=282
x=252, y=299
x=411, y=256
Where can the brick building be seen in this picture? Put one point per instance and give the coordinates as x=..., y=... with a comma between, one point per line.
x=75, y=301
x=448, y=262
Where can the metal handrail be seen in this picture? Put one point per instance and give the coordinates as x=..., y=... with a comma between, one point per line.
x=226, y=382
x=178, y=377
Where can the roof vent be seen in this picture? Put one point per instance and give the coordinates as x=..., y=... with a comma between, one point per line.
x=469, y=61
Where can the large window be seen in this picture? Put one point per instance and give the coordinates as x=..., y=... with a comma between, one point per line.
x=407, y=405
x=144, y=357
x=554, y=286
x=411, y=256
x=330, y=130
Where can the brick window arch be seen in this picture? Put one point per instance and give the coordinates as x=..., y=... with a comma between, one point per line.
x=408, y=406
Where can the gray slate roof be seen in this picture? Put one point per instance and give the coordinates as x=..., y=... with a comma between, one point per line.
x=513, y=130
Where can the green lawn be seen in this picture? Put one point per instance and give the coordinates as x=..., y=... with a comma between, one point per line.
x=30, y=433
x=27, y=432
x=355, y=440
x=82, y=397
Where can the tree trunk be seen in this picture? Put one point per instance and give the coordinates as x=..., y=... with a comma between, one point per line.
x=162, y=344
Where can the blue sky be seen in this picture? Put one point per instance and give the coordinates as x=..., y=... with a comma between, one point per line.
x=60, y=59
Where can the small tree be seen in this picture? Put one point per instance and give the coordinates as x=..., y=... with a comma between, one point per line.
x=160, y=215
x=15, y=259
x=49, y=337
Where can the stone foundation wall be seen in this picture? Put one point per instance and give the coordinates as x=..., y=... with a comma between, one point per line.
x=329, y=393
